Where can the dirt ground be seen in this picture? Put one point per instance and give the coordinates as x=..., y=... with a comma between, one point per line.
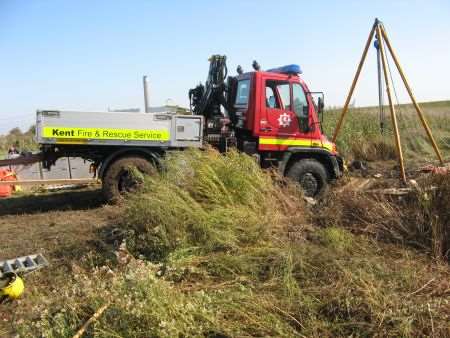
x=63, y=226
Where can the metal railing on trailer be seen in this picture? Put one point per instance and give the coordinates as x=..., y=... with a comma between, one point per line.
x=37, y=158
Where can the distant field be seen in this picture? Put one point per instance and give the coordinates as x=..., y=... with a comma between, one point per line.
x=360, y=135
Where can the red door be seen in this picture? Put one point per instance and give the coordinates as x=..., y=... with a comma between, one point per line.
x=286, y=113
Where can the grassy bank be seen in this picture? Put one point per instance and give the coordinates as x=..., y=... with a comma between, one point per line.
x=217, y=248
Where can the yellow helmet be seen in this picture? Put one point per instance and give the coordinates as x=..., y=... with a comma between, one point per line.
x=13, y=285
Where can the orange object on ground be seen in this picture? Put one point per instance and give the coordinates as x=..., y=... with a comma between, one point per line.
x=436, y=170
x=7, y=175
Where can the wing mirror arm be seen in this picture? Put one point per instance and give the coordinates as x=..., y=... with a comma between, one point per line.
x=320, y=105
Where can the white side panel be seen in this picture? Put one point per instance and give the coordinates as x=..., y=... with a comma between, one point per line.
x=188, y=129
x=115, y=128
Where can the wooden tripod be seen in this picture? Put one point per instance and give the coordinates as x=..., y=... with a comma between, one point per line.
x=381, y=35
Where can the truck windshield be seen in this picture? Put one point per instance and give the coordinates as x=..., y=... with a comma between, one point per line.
x=243, y=90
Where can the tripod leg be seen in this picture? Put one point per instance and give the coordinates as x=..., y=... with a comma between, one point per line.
x=391, y=106
x=411, y=95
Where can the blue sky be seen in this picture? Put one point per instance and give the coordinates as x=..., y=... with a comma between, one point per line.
x=91, y=55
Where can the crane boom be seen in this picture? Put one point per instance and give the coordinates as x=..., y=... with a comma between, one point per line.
x=206, y=99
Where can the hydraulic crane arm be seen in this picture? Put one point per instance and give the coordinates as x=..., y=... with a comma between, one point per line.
x=206, y=100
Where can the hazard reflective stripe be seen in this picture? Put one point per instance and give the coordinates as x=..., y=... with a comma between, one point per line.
x=286, y=141
x=296, y=142
x=328, y=146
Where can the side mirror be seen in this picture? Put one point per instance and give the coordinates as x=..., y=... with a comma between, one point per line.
x=318, y=97
x=304, y=121
x=320, y=105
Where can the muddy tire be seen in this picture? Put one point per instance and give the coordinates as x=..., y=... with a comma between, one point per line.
x=311, y=175
x=118, y=180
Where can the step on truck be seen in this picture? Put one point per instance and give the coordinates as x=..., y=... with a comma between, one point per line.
x=270, y=115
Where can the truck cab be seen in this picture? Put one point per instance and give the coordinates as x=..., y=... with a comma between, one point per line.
x=278, y=108
x=273, y=116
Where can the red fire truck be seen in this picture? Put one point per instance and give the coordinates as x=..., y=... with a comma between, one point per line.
x=271, y=115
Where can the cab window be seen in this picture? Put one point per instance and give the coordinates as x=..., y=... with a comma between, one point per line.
x=243, y=91
x=278, y=95
x=285, y=95
x=271, y=100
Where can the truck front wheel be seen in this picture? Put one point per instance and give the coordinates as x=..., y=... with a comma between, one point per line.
x=311, y=175
x=118, y=178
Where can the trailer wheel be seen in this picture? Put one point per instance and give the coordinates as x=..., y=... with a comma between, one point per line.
x=118, y=179
x=311, y=175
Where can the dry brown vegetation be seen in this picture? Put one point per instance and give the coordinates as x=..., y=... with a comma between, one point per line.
x=215, y=247
x=420, y=219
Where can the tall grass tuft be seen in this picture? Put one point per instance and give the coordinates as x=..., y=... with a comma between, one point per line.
x=204, y=199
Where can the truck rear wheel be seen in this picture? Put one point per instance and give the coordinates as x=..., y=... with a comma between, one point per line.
x=311, y=175
x=118, y=179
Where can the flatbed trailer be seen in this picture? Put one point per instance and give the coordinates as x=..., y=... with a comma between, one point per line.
x=112, y=141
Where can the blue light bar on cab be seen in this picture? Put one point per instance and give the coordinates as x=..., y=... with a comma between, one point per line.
x=289, y=69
